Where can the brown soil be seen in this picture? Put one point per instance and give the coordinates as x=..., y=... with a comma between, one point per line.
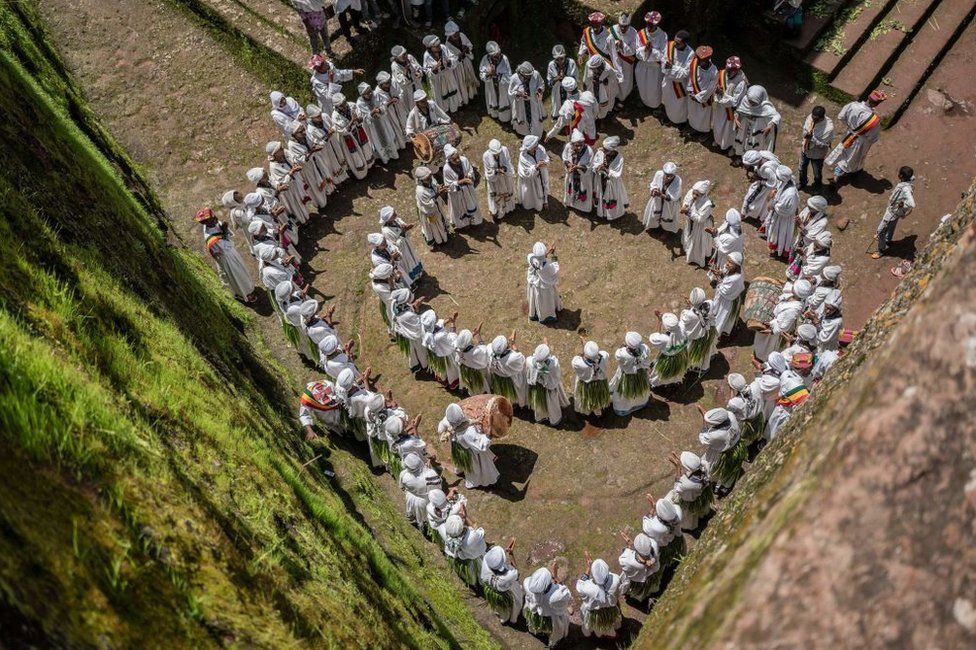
x=197, y=123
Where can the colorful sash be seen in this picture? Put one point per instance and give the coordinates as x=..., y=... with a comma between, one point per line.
x=212, y=242
x=795, y=397
x=723, y=86
x=623, y=57
x=308, y=399
x=643, y=38
x=591, y=45
x=679, y=88
x=866, y=126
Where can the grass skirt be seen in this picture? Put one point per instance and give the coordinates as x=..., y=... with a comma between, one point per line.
x=396, y=465
x=671, y=553
x=384, y=314
x=403, y=343
x=701, y=505
x=382, y=450
x=461, y=458
x=432, y=534
x=505, y=387
x=753, y=428
x=668, y=367
x=537, y=623
x=641, y=591
x=604, y=620
x=500, y=601
x=437, y=365
x=592, y=395
x=698, y=348
x=292, y=335
x=728, y=468
x=635, y=385
x=472, y=379
x=538, y=398
x=467, y=570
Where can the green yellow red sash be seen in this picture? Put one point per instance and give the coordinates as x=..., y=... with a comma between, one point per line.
x=307, y=399
x=722, y=85
x=212, y=241
x=592, y=47
x=869, y=124
x=623, y=57
x=795, y=397
x=679, y=88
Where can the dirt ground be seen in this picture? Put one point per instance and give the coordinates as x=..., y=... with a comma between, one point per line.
x=197, y=123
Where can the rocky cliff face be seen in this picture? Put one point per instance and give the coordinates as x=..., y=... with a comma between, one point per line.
x=857, y=527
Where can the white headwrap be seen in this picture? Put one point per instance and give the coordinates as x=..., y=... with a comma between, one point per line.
x=386, y=213
x=495, y=558
x=670, y=168
x=255, y=174
x=454, y=526
x=495, y=146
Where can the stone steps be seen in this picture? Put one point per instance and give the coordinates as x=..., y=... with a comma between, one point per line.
x=890, y=37
x=941, y=33
x=851, y=29
x=269, y=29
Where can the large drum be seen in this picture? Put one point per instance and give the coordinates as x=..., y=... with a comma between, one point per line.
x=429, y=145
x=761, y=300
x=493, y=412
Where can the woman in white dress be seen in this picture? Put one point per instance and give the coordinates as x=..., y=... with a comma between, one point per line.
x=470, y=448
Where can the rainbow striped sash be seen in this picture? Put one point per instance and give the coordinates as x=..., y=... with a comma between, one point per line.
x=679, y=88
x=722, y=86
x=868, y=124
x=591, y=45
x=623, y=57
x=308, y=399
x=794, y=397
x=212, y=242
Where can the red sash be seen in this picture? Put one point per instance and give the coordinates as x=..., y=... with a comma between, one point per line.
x=679, y=88
x=623, y=57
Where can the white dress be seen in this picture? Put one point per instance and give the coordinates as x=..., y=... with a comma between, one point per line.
x=651, y=48
x=546, y=376
x=554, y=76
x=443, y=79
x=610, y=195
x=496, y=80
x=630, y=364
x=528, y=111
x=542, y=289
x=382, y=133
x=696, y=242
x=356, y=146
x=483, y=471
x=701, y=87
x=729, y=92
x=848, y=157
x=230, y=267
x=499, y=182
x=663, y=211
x=432, y=213
x=673, y=79
x=578, y=185
x=625, y=39
x=462, y=200
x=726, y=301
x=604, y=83
x=533, y=182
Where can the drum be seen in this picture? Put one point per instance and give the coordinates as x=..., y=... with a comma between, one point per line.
x=429, y=145
x=493, y=412
x=761, y=299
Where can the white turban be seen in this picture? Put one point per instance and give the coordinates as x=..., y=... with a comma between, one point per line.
x=834, y=299
x=345, y=378
x=499, y=344
x=495, y=558
x=599, y=571
x=776, y=361
x=716, y=416
x=736, y=406
x=591, y=350
x=375, y=238
x=393, y=427
x=310, y=307
x=735, y=258
x=670, y=168
x=541, y=352
x=807, y=332
x=624, y=19
x=495, y=146
x=783, y=173
x=539, y=249
x=451, y=27
x=272, y=147
x=419, y=95
x=454, y=526
x=539, y=581
x=376, y=402
x=577, y=136
x=669, y=321
x=413, y=462
x=329, y=344
x=697, y=296
x=611, y=142
x=421, y=173
x=255, y=174
x=751, y=158
x=449, y=150
x=313, y=110
x=363, y=87
x=276, y=98
x=253, y=199
x=733, y=217
x=381, y=77
x=431, y=41
x=338, y=99
x=702, y=187
x=736, y=381
x=464, y=339
x=525, y=68
x=255, y=226
x=228, y=200
x=398, y=51
x=386, y=213
x=454, y=414
x=667, y=511
x=492, y=48
x=382, y=271
x=817, y=203
x=401, y=295
x=437, y=497
x=558, y=51
x=594, y=62
x=633, y=339
x=568, y=84
x=645, y=546
x=283, y=290
x=428, y=319
x=690, y=461
x=802, y=288
x=529, y=141
x=832, y=272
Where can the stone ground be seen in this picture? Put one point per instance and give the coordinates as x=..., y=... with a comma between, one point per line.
x=197, y=122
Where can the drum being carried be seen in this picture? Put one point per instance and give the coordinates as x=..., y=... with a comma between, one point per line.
x=493, y=412
x=761, y=300
x=429, y=145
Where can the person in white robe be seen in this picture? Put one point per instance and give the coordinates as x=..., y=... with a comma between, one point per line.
x=639, y=568
x=664, y=206
x=416, y=480
x=548, y=604
x=578, y=181
x=596, y=40
x=462, y=199
x=756, y=122
x=533, y=175
x=440, y=506
x=591, y=386
x=691, y=490
x=652, y=44
x=599, y=590
x=439, y=64
x=333, y=358
x=785, y=319
x=671, y=344
x=298, y=152
x=544, y=377
x=464, y=546
x=584, y=116
x=354, y=397
x=424, y=114
x=702, y=81
x=698, y=329
x=500, y=580
x=630, y=387
x=828, y=280
x=863, y=129
x=441, y=343
x=793, y=392
x=570, y=112
x=327, y=80
x=675, y=64
x=384, y=280
x=396, y=232
x=542, y=283
x=499, y=179
x=375, y=415
x=697, y=220
x=730, y=89
x=389, y=97
x=473, y=360
x=238, y=211
x=407, y=74
x=287, y=179
x=815, y=257
x=724, y=452
x=603, y=80
x=664, y=527
x=830, y=324
x=496, y=73
x=525, y=90
x=727, y=239
x=408, y=329
x=756, y=200
x=356, y=145
x=900, y=205
x=230, y=267
x=459, y=46
x=782, y=213
x=624, y=38
x=506, y=371
x=746, y=403
x=431, y=207
x=470, y=448
x=811, y=220
x=728, y=295
x=317, y=405
x=378, y=123
x=330, y=156
x=284, y=110
x=560, y=67
x=610, y=196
